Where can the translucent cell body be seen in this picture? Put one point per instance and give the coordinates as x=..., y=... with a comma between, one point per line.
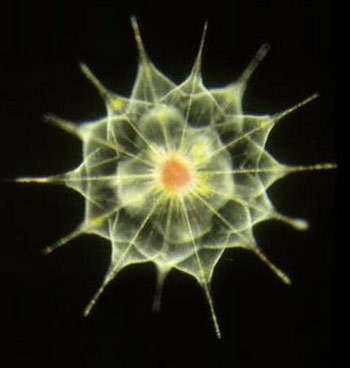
x=176, y=174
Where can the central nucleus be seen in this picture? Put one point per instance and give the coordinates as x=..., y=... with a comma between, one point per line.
x=175, y=175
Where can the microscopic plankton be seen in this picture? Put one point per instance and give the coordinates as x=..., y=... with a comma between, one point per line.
x=176, y=174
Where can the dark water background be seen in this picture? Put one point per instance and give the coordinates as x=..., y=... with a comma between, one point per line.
x=264, y=323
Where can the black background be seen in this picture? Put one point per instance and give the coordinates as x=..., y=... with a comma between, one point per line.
x=264, y=323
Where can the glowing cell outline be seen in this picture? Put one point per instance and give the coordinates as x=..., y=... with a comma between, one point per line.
x=217, y=97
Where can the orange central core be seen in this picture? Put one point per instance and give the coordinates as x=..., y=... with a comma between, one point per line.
x=175, y=174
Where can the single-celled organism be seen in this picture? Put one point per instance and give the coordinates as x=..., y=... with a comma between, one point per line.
x=176, y=174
